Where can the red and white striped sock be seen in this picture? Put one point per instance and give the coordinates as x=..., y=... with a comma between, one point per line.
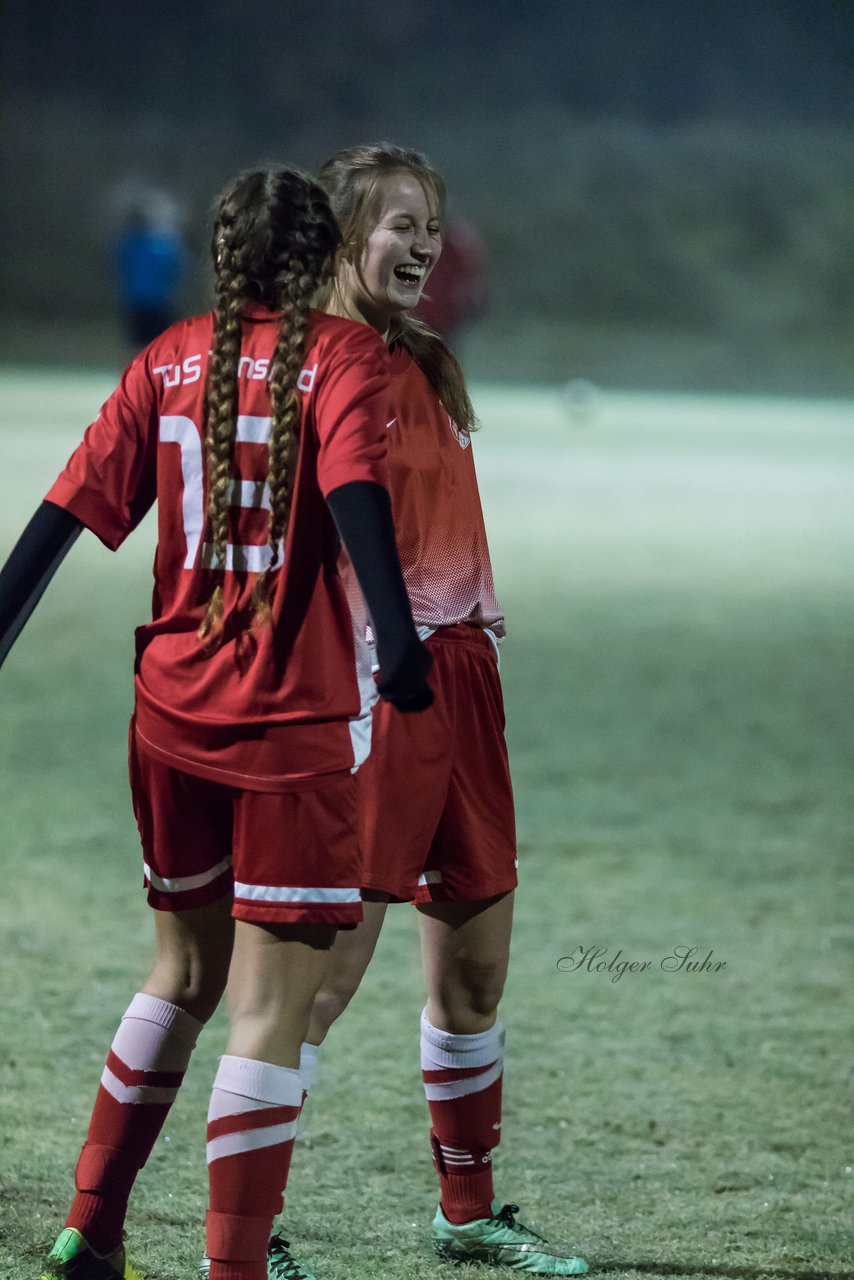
x=252, y=1122
x=144, y=1070
x=462, y=1080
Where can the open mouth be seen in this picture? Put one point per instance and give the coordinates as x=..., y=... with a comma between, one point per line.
x=410, y=273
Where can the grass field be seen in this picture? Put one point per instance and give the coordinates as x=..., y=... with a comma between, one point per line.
x=678, y=576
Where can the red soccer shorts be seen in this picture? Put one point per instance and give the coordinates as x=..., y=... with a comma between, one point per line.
x=436, y=818
x=289, y=857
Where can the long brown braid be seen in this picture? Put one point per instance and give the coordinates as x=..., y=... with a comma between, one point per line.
x=273, y=243
x=351, y=178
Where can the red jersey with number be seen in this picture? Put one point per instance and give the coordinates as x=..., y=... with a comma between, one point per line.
x=271, y=707
x=437, y=513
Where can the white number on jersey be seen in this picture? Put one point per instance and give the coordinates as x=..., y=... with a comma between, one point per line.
x=241, y=558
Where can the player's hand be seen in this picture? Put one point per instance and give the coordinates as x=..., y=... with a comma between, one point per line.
x=405, y=686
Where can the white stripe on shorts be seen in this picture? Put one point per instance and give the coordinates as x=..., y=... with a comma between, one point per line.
x=277, y=893
x=180, y=884
x=430, y=877
x=232, y=1144
x=360, y=738
x=462, y=1088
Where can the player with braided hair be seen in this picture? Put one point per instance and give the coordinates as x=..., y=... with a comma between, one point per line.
x=449, y=843
x=257, y=428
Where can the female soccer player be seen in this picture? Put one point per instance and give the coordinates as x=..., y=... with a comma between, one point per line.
x=249, y=425
x=436, y=814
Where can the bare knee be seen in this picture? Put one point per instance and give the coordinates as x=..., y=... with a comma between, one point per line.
x=329, y=1003
x=466, y=950
x=467, y=995
x=483, y=984
x=196, y=985
x=193, y=957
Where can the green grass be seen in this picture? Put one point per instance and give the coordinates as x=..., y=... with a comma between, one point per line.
x=678, y=581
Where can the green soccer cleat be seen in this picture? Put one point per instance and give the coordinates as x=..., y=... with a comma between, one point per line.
x=501, y=1241
x=72, y=1258
x=281, y=1264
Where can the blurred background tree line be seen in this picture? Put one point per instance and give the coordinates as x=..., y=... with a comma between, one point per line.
x=666, y=188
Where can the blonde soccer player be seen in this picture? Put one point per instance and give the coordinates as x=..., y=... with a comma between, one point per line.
x=435, y=805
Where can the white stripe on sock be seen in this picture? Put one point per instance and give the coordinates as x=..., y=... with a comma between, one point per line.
x=223, y=1103
x=155, y=1035
x=232, y=1144
x=458, y=1161
x=258, y=1081
x=309, y=1066
x=441, y=1049
x=136, y=1093
x=462, y=1088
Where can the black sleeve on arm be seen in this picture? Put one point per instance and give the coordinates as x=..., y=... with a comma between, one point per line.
x=362, y=512
x=36, y=557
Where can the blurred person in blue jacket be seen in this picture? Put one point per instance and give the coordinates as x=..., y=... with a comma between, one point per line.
x=151, y=263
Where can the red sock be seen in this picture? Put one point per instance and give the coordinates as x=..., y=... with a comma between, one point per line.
x=144, y=1070
x=462, y=1081
x=252, y=1122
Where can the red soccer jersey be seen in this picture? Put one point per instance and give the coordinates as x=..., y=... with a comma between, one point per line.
x=437, y=513
x=270, y=708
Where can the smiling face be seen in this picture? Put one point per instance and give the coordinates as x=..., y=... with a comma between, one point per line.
x=401, y=248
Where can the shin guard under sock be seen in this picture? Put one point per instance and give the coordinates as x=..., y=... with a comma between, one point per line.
x=144, y=1070
x=462, y=1080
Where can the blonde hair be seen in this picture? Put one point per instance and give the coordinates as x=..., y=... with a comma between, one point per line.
x=353, y=181
x=274, y=241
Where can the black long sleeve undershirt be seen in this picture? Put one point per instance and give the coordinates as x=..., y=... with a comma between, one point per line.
x=362, y=512
x=34, y=560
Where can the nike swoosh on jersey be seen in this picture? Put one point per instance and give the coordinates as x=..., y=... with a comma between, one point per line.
x=390, y=424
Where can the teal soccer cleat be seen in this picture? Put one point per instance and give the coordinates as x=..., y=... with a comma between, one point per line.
x=501, y=1241
x=281, y=1264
